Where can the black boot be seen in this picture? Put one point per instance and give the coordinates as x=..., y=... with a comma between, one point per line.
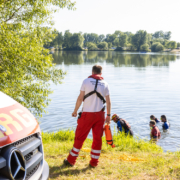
x=66, y=162
x=91, y=166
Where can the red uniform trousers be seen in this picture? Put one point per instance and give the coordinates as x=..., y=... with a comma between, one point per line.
x=88, y=121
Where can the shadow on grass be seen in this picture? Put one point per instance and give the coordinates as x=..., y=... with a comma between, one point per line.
x=63, y=170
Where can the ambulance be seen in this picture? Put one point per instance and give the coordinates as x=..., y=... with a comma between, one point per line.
x=21, y=149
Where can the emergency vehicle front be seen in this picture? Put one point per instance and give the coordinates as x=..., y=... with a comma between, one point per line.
x=21, y=149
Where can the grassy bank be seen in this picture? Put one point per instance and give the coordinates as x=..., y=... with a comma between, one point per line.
x=131, y=159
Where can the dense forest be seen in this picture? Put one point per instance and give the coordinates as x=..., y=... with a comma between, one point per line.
x=140, y=41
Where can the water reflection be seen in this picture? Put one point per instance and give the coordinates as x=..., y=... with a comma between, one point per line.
x=117, y=58
x=73, y=57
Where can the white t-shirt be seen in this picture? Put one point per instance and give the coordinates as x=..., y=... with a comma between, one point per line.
x=93, y=103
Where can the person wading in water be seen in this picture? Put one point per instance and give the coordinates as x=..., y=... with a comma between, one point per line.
x=155, y=133
x=152, y=117
x=122, y=125
x=166, y=124
x=95, y=93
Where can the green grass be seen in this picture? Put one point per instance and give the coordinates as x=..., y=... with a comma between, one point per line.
x=121, y=162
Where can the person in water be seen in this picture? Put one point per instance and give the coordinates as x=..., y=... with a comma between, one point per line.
x=166, y=124
x=155, y=133
x=152, y=117
x=122, y=125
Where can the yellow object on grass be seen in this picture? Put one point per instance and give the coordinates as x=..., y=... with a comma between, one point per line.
x=129, y=158
x=122, y=157
x=86, y=149
x=84, y=156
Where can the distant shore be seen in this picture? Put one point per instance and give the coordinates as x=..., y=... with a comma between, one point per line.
x=166, y=50
x=175, y=50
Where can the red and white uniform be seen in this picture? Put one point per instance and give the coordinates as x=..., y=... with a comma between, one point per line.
x=91, y=118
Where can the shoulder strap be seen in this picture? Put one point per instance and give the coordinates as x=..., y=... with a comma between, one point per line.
x=92, y=92
x=101, y=97
x=89, y=94
x=96, y=85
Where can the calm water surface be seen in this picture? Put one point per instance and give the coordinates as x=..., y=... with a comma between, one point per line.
x=140, y=85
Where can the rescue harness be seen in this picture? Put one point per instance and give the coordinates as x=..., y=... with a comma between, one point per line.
x=97, y=93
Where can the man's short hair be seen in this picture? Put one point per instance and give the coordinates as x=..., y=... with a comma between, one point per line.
x=153, y=122
x=152, y=117
x=97, y=69
x=164, y=117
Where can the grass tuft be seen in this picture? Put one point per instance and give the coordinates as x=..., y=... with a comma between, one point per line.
x=63, y=135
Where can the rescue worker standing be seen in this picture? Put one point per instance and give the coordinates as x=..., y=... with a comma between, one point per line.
x=95, y=92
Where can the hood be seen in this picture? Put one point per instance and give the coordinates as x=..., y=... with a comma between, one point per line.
x=16, y=121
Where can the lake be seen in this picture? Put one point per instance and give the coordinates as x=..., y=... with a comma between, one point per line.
x=141, y=84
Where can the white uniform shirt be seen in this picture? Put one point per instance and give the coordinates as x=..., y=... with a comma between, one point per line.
x=93, y=103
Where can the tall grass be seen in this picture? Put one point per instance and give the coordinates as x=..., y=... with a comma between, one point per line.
x=62, y=135
x=127, y=143
x=121, y=140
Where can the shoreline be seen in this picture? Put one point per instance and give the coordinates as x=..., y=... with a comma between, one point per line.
x=132, y=158
x=170, y=51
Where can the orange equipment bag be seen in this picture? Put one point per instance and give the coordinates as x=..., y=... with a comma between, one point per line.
x=108, y=134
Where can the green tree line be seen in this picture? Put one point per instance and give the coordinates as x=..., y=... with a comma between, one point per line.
x=140, y=41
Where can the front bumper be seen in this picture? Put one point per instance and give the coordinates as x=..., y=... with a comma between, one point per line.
x=45, y=173
x=42, y=172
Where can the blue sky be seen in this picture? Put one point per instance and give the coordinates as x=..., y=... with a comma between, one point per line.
x=106, y=16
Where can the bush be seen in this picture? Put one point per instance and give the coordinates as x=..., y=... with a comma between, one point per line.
x=91, y=46
x=159, y=47
x=156, y=47
x=103, y=45
x=109, y=45
x=172, y=44
x=144, y=47
x=178, y=44
x=153, y=47
x=119, y=49
x=77, y=48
